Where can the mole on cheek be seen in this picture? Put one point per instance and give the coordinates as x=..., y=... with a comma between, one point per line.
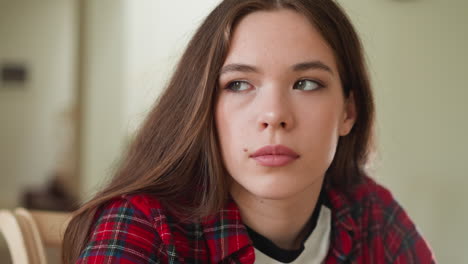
x=245, y=150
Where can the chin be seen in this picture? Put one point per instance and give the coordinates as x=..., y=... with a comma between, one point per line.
x=283, y=195
x=279, y=185
x=278, y=190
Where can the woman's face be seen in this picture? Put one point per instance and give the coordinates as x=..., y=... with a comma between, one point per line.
x=281, y=107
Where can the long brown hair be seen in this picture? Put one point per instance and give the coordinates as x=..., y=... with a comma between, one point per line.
x=176, y=149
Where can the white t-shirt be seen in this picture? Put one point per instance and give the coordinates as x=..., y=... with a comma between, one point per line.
x=315, y=247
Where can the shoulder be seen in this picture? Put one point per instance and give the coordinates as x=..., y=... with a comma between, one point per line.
x=374, y=206
x=367, y=197
x=133, y=211
x=372, y=195
x=139, y=206
x=136, y=229
x=381, y=222
x=378, y=205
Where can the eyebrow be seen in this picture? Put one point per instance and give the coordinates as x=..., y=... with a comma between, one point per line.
x=303, y=66
x=310, y=65
x=236, y=67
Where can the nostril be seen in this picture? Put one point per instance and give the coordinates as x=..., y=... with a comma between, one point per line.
x=281, y=124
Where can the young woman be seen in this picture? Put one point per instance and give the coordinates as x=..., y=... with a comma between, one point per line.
x=255, y=153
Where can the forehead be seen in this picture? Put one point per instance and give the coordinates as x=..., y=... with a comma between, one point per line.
x=280, y=37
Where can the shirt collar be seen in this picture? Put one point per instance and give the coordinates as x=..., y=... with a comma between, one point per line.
x=344, y=228
x=225, y=234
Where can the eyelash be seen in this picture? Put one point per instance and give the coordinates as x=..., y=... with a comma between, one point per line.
x=228, y=87
x=319, y=84
x=230, y=84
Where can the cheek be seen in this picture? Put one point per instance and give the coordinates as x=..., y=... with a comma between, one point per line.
x=224, y=119
x=229, y=125
x=320, y=128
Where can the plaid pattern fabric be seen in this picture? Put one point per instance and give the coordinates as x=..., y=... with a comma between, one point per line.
x=368, y=226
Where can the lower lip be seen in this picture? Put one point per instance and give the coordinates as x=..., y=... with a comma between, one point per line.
x=274, y=160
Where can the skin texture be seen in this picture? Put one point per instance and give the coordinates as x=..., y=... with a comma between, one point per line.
x=266, y=104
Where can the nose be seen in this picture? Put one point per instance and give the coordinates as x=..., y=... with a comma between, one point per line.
x=275, y=111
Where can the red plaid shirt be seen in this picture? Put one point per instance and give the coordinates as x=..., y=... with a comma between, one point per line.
x=368, y=226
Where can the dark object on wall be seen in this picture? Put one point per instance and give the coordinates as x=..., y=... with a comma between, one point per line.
x=14, y=73
x=52, y=197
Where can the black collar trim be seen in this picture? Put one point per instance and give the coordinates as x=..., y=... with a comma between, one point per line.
x=268, y=248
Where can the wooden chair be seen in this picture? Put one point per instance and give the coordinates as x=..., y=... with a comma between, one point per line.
x=30, y=235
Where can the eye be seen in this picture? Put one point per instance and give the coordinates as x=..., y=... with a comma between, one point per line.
x=238, y=86
x=307, y=85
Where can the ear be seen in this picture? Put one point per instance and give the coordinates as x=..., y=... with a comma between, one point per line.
x=349, y=115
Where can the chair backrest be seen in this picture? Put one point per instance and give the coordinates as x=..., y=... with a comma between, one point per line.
x=11, y=230
x=29, y=234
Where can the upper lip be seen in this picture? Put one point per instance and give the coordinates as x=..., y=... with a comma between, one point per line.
x=274, y=150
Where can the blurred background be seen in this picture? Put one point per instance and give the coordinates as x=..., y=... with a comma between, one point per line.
x=78, y=76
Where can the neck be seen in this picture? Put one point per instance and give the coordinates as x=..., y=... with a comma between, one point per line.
x=283, y=221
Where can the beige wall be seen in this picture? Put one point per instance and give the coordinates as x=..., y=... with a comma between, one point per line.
x=42, y=34
x=104, y=78
x=158, y=32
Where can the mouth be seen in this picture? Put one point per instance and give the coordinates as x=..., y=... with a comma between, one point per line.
x=274, y=156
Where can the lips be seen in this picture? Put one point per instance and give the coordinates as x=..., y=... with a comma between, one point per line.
x=274, y=156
